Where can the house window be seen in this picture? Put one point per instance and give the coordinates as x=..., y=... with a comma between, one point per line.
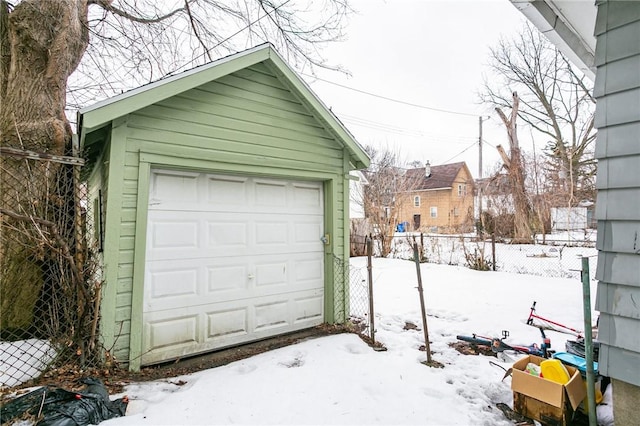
x=434, y=211
x=462, y=190
x=416, y=201
x=456, y=212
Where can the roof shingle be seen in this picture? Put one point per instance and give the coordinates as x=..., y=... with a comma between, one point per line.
x=442, y=176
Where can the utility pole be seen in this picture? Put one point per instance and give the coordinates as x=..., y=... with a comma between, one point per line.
x=480, y=173
x=479, y=148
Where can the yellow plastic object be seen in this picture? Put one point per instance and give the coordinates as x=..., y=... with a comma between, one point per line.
x=554, y=370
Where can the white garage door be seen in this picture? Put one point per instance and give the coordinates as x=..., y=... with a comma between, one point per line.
x=229, y=260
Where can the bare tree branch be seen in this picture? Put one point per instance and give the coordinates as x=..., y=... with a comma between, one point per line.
x=108, y=6
x=195, y=29
x=555, y=101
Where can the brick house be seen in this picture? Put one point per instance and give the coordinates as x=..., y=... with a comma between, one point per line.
x=438, y=199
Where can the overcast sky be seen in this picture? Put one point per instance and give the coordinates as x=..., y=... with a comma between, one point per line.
x=423, y=52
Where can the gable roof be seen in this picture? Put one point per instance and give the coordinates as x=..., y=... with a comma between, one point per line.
x=100, y=114
x=441, y=177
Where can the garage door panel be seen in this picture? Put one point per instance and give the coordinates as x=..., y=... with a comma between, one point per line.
x=224, y=279
x=272, y=314
x=172, y=283
x=228, y=190
x=308, y=310
x=225, y=234
x=182, y=234
x=172, y=332
x=307, y=232
x=169, y=186
x=307, y=197
x=270, y=193
x=271, y=274
x=240, y=262
x=271, y=233
x=227, y=323
x=308, y=270
x=190, y=283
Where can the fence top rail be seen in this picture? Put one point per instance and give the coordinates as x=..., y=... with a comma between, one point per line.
x=33, y=155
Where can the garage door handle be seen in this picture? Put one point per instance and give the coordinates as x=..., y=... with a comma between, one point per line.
x=251, y=276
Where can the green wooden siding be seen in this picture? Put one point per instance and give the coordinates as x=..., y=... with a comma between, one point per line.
x=243, y=123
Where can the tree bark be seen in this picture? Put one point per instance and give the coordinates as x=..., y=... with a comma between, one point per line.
x=522, y=206
x=46, y=40
x=42, y=43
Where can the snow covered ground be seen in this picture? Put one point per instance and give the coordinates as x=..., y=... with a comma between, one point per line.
x=23, y=360
x=559, y=257
x=340, y=380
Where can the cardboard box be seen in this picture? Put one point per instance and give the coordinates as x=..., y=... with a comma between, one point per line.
x=540, y=399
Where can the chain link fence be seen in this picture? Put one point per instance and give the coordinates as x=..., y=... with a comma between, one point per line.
x=50, y=279
x=551, y=257
x=357, y=292
x=48, y=275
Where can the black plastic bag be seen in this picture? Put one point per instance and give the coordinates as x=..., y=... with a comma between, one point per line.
x=51, y=406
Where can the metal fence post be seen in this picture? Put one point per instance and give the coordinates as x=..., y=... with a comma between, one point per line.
x=493, y=250
x=588, y=344
x=416, y=257
x=372, y=330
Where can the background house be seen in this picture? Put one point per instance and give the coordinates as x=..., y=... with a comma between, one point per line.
x=437, y=198
x=357, y=184
x=223, y=194
x=496, y=198
x=360, y=227
x=613, y=56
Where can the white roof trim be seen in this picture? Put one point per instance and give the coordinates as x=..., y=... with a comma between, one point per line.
x=567, y=24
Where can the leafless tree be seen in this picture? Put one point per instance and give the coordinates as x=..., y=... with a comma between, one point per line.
x=360, y=227
x=59, y=53
x=523, y=211
x=384, y=177
x=555, y=100
x=387, y=187
x=102, y=47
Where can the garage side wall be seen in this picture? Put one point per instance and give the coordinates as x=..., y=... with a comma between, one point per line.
x=244, y=123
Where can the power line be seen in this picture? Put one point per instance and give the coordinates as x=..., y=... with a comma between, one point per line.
x=488, y=143
x=388, y=128
x=461, y=152
x=391, y=99
x=391, y=128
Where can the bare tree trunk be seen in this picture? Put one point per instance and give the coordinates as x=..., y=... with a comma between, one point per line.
x=46, y=41
x=43, y=42
x=514, y=164
x=557, y=104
